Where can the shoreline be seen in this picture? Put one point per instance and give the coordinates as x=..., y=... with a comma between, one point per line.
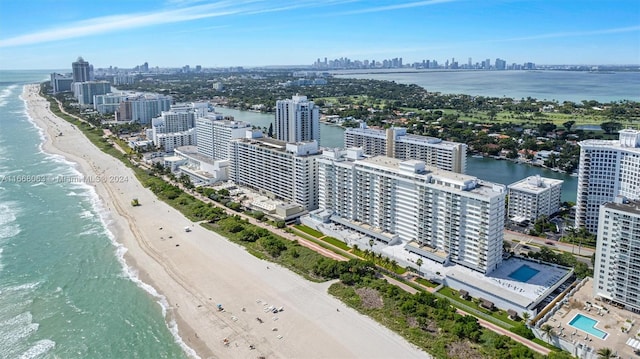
x=195, y=271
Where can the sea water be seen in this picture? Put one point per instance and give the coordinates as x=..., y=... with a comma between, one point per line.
x=65, y=289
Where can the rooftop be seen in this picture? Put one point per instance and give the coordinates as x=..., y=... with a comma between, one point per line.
x=535, y=184
x=434, y=175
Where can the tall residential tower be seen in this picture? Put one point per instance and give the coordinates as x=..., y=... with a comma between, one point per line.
x=616, y=271
x=81, y=70
x=445, y=216
x=607, y=169
x=297, y=120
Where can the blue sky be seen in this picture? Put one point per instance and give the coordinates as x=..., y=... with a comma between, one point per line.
x=50, y=34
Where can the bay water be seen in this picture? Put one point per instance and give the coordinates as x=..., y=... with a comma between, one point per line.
x=488, y=169
x=65, y=289
x=574, y=86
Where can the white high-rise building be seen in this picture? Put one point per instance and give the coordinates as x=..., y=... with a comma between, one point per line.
x=285, y=171
x=607, y=169
x=533, y=197
x=175, y=128
x=297, y=119
x=141, y=108
x=616, y=270
x=444, y=216
x=170, y=141
x=395, y=142
x=215, y=135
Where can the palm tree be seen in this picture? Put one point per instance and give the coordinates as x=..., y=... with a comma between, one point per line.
x=605, y=353
x=547, y=330
x=526, y=316
x=419, y=263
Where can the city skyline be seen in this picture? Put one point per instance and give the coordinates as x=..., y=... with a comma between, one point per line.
x=249, y=33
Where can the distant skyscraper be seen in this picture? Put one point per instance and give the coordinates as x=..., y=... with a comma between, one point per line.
x=297, y=120
x=81, y=70
x=607, y=169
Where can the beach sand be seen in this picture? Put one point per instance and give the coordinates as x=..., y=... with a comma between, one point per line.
x=206, y=270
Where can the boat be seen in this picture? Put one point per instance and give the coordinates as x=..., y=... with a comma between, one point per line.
x=477, y=156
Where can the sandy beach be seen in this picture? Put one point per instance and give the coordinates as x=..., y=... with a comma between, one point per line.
x=197, y=270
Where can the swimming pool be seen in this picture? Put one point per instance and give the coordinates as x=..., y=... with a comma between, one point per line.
x=523, y=274
x=587, y=325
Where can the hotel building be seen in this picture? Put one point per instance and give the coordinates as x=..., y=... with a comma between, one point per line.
x=441, y=215
x=617, y=265
x=607, y=169
x=395, y=142
x=297, y=120
x=283, y=171
x=533, y=197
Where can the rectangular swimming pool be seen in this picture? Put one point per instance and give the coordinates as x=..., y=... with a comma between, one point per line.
x=523, y=274
x=587, y=325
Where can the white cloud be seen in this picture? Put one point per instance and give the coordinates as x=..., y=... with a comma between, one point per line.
x=397, y=6
x=106, y=24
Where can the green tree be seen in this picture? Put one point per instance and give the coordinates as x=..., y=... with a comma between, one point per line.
x=419, y=264
x=547, y=331
x=605, y=353
x=611, y=127
x=568, y=125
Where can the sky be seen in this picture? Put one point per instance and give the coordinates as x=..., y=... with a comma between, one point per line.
x=50, y=34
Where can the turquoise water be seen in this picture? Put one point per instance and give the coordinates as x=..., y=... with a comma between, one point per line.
x=65, y=290
x=524, y=273
x=587, y=325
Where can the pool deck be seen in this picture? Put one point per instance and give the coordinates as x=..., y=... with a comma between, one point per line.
x=610, y=320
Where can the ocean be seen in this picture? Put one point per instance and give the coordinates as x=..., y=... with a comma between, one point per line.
x=65, y=289
x=573, y=86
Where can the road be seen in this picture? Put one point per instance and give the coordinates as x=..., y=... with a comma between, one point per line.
x=565, y=247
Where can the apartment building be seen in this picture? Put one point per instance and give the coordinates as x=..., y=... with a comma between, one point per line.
x=297, y=119
x=617, y=265
x=395, y=142
x=607, y=169
x=283, y=171
x=442, y=215
x=533, y=197
x=215, y=135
